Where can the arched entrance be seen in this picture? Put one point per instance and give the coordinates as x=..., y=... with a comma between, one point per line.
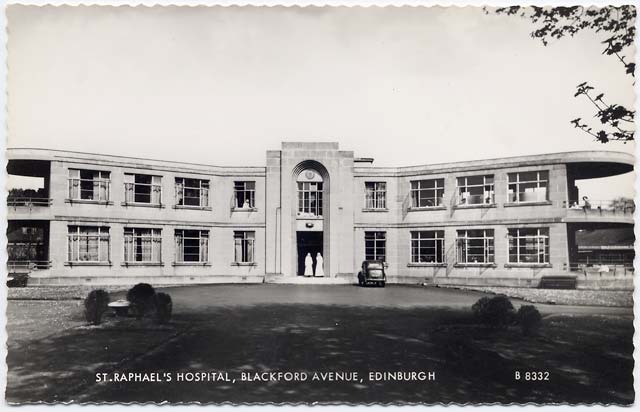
x=310, y=213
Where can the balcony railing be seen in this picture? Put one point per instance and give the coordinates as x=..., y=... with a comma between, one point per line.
x=620, y=268
x=601, y=207
x=28, y=202
x=25, y=266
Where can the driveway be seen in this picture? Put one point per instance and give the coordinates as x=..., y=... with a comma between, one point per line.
x=243, y=330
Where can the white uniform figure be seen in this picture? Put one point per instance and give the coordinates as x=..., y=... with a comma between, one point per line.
x=319, y=265
x=308, y=265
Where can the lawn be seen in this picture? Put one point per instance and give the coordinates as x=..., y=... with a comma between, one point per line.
x=588, y=355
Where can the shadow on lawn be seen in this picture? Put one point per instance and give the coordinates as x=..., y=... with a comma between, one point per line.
x=472, y=364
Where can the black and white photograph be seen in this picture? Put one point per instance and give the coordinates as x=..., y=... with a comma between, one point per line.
x=320, y=205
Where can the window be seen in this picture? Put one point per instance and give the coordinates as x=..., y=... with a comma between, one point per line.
x=142, y=189
x=245, y=195
x=310, y=198
x=375, y=245
x=244, y=246
x=427, y=246
x=427, y=193
x=528, y=186
x=475, y=190
x=192, y=192
x=375, y=195
x=89, y=185
x=192, y=246
x=142, y=245
x=88, y=244
x=475, y=246
x=530, y=245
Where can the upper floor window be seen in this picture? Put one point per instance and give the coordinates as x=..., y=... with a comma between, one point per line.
x=192, y=192
x=375, y=245
x=427, y=246
x=528, y=186
x=310, y=187
x=475, y=190
x=142, y=189
x=427, y=193
x=375, y=195
x=91, y=185
x=245, y=195
x=142, y=245
x=88, y=244
x=192, y=246
x=244, y=243
x=475, y=246
x=529, y=245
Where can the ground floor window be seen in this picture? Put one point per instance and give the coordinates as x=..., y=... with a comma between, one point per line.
x=375, y=245
x=244, y=246
x=142, y=245
x=427, y=246
x=529, y=245
x=192, y=246
x=88, y=244
x=475, y=246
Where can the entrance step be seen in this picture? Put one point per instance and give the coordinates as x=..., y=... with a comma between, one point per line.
x=301, y=280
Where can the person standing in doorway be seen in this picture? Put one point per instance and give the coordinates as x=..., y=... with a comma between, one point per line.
x=319, y=265
x=308, y=265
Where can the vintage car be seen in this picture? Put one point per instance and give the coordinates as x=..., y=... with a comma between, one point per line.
x=372, y=273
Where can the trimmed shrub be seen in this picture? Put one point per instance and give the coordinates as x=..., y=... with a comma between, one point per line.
x=496, y=312
x=141, y=297
x=95, y=305
x=164, y=306
x=529, y=319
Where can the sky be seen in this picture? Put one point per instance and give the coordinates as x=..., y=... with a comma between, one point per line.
x=221, y=85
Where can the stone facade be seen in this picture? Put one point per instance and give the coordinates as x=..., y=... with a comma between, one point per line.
x=278, y=224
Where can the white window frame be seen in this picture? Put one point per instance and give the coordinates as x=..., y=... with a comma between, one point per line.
x=515, y=195
x=488, y=190
x=203, y=188
x=427, y=193
x=308, y=193
x=130, y=187
x=152, y=236
x=541, y=239
x=419, y=238
x=101, y=185
x=76, y=237
x=202, y=236
x=245, y=189
x=375, y=195
x=379, y=241
x=245, y=240
x=464, y=240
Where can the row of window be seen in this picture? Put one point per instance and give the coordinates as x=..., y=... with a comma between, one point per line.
x=526, y=245
x=471, y=190
x=144, y=245
x=93, y=185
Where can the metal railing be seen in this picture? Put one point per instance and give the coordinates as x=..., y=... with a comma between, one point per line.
x=24, y=266
x=604, y=269
x=28, y=201
x=601, y=207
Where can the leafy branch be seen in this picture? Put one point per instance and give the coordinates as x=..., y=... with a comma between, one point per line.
x=618, y=23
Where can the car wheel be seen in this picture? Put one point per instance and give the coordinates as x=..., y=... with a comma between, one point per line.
x=382, y=284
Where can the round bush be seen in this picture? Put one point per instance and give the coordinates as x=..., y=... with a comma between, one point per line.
x=95, y=305
x=164, y=306
x=141, y=297
x=529, y=319
x=496, y=312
